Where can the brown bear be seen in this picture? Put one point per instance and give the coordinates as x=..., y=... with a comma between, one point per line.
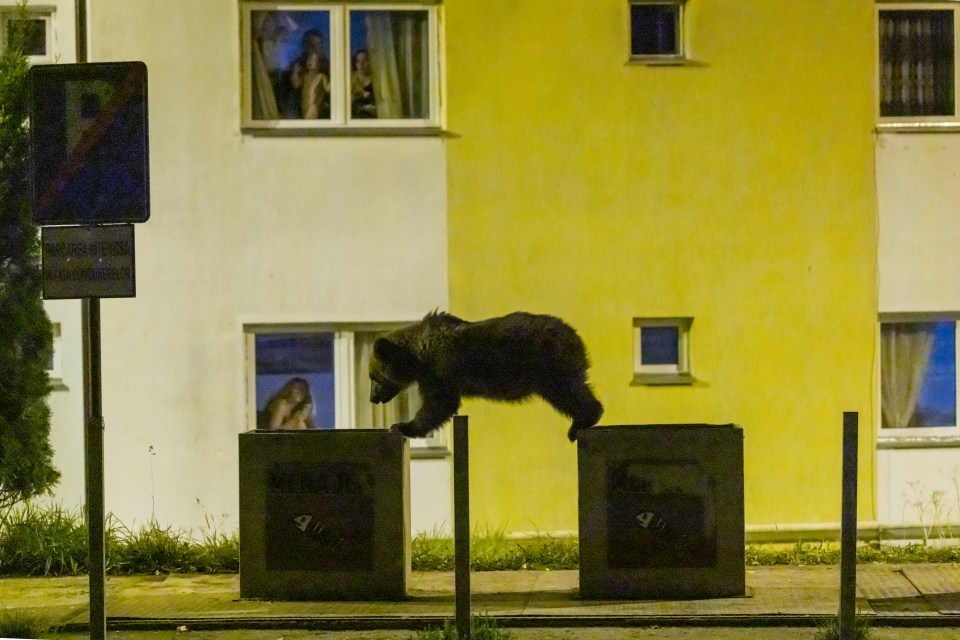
x=509, y=359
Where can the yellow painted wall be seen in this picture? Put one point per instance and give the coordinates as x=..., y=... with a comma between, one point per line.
x=738, y=191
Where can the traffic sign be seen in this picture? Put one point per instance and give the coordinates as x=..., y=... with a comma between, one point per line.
x=89, y=144
x=88, y=262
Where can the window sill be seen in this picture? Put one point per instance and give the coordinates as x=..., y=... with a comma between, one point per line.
x=920, y=442
x=346, y=132
x=918, y=127
x=661, y=379
x=429, y=453
x=665, y=61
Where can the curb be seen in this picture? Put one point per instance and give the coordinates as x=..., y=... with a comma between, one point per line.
x=419, y=623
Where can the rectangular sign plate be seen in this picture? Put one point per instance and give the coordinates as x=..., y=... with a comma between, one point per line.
x=88, y=262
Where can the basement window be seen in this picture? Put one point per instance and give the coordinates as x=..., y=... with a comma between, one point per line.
x=656, y=31
x=661, y=352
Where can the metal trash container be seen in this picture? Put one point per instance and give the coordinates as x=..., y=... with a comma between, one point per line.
x=324, y=515
x=661, y=511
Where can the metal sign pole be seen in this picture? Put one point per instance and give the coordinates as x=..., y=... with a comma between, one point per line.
x=93, y=424
x=93, y=454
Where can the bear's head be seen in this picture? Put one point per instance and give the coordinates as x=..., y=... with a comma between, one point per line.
x=393, y=367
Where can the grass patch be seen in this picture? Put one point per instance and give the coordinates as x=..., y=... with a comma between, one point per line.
x=52, y=541
x=828, y=553
x=17, y=624
x=494, y=551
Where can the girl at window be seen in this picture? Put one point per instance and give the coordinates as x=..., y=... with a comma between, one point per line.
x=362, y=99
x=289, y=408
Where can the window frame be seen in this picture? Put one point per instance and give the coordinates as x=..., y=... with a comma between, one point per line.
x=917, y=122
x=678, y=58
x=55, y=370
x=894, y=437
x=344, y=342
x=340, y=121
x=44, y=13
x=663, y=374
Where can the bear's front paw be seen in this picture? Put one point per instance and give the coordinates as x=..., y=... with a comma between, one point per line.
x=406, y=428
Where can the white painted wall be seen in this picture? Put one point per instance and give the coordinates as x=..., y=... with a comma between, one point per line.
x=243, y=229
x=919, y=271
x=918, y=185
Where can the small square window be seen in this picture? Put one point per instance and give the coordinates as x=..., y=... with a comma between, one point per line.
x=656, y=30
x=661, y=351
x=36, y=33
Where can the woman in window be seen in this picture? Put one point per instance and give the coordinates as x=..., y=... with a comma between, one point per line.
x=363, y=102
x=289, y=408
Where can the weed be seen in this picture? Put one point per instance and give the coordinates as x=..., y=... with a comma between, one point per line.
x=830, y=629
x=484, y=628
x=18, y=624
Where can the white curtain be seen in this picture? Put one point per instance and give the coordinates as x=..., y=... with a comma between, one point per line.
x=398, y=60
x=916, y=62
x=378, y=416
x=264, y=102
x=905, y=350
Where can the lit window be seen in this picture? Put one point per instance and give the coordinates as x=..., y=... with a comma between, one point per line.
x=918, y=374
x=333, y=364
x=661, y=351
x=340, y=66
x=917, y=56
x=656, y=30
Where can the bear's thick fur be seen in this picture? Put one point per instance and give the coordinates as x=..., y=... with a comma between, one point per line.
x=508, y=358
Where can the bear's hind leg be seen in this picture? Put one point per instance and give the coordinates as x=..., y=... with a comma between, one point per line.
x=578, y=403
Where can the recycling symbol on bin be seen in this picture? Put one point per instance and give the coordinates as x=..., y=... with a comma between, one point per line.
x=650, y=520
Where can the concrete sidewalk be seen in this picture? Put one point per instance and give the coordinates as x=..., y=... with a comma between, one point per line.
x=892, y=595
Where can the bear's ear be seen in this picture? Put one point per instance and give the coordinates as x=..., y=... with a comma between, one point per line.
x=398, y=357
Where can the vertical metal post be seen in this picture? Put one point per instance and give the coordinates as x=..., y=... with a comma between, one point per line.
x=93, y=464
x=461, y=526
x=93, y=422
x=848, y=529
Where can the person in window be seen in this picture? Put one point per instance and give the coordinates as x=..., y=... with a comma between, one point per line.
x=302, y=76
x=291, y=407
x=363, y=103
x=315, y=90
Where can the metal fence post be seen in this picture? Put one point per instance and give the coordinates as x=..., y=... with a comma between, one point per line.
x=461, y=525
x=848, y=530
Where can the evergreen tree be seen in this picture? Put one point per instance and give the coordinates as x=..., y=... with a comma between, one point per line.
x=26, y=458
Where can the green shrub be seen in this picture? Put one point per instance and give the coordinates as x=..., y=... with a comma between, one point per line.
x=26, y=337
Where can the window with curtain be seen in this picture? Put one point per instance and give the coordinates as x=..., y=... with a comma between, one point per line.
x=918, y=374
x=917, y=61
x=322, y=65
x=333, y=362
